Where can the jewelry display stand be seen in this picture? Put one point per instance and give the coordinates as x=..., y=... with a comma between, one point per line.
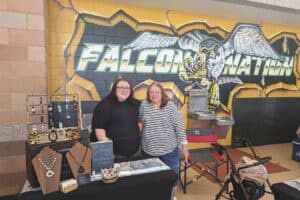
x=47, y=166
x=55, y=122
x=52, y=118
x=79, y=158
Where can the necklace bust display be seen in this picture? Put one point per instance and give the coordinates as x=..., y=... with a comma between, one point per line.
x=47, y=166
x=79, y=158
x=49, y=172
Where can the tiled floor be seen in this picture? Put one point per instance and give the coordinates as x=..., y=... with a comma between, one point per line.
x=12, y=171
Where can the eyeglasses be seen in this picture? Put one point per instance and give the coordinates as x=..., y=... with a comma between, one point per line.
x=123, y=88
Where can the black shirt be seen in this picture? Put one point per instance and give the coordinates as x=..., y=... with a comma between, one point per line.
x=120, y=122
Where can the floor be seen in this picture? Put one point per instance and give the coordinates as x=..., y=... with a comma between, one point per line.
x=280, y=153
x=13, y=175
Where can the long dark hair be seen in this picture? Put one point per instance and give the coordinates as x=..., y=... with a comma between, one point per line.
x=164, y=96
x=112, y=97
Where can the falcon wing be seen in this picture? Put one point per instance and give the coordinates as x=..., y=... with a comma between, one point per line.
x=148, y=40
x=191, y=40
x=248, y=39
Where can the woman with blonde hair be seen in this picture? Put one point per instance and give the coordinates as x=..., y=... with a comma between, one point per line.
x=163, y=132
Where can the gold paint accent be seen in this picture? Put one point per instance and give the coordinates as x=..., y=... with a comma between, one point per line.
x=223, y=107
x=198, y=25
x=171, y=88
x=85, y=88
x=248, y=90
x=292, y=36
x=73, y=46
x=296, y=67
x=282, y=90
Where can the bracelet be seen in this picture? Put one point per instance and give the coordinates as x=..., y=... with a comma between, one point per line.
x=52, y=135
x=34, y=137
x=68, y=133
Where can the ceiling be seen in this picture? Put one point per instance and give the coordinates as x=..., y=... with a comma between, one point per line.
x=242, y=9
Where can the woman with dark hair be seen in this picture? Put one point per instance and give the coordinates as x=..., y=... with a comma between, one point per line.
x=163, y=131
x=116, y=117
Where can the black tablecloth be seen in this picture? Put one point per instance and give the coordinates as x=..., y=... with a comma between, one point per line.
x=285, y=192
x=152, y=186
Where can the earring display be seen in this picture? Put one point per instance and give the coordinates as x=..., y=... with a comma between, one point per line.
x=53, y=118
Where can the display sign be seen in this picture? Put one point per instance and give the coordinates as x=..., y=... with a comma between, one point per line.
x=102, y=155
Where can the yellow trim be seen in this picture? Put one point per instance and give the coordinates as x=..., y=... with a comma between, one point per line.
x=296, y=67
x=292, y=36
x=85, y=88
x=166, y=85
x=282, y=90
x=240, y=91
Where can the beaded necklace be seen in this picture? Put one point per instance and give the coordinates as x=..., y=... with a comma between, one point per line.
x=49, y=172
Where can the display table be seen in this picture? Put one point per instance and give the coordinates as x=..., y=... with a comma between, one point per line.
x=283, y=191
x=150, y=186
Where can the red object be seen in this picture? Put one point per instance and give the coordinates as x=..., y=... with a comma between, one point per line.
x=202, y=138
x=216, y=156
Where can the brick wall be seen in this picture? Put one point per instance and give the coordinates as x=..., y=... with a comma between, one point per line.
x=22, y=62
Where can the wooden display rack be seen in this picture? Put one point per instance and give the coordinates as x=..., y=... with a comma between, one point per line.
x=52, y=118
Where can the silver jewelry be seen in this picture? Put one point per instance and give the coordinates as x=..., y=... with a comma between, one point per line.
x=49, y=172
x=59, y=107
x=33, y=109
x=67, y=110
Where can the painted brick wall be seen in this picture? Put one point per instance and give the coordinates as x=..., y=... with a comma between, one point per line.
x=22, y=62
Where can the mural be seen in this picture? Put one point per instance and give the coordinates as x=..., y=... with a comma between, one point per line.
x=206, y=68
x=101, y=44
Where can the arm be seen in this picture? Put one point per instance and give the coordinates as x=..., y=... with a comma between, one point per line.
x=185, y=152
x=179, y=130
x=100, y=120
x=141, y=116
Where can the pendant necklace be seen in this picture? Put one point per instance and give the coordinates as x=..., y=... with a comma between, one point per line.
x=81, y=168
x=49, y=172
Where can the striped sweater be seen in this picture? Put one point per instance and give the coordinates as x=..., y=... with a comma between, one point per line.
x=162, y=128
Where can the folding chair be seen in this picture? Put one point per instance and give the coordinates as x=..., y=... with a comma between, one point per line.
x=202, y=158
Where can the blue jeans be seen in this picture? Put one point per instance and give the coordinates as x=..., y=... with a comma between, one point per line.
x=172, y=160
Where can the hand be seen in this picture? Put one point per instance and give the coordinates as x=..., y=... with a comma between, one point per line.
x=185, y=153
x=100, y=134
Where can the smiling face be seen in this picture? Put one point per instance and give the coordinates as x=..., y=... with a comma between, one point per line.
x=123, y=91
x=155, y=95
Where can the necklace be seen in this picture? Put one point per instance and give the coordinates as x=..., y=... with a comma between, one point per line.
x=49, y=172
x=81, y=168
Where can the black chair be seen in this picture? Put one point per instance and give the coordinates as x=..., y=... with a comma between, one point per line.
x=205, y=161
